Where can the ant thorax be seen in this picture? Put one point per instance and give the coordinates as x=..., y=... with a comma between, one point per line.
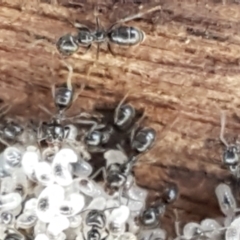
x=84, y=36
x=99, y=36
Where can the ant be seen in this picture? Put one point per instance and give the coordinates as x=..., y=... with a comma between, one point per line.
x=55, y=132
x=13, y=131
x=231, y=153
x=150, y=216
x=117, y=34
x=141, y=138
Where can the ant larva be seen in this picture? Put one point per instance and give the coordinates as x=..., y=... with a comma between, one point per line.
x=116, y=34
x=231, y=153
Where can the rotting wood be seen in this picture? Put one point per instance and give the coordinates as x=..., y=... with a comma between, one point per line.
x=186, y=71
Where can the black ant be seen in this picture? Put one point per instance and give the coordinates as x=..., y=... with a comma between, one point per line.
x=117, y=34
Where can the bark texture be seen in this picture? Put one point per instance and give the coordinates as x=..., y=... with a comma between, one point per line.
x=182, y=76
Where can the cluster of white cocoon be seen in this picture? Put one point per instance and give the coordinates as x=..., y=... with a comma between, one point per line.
x=227, y=227
x=50, y=197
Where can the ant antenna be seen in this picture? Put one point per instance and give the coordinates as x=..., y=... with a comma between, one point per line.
x=70, y=74
x=138, y=15
x=223, y=124
x=106, y=209
x=137, y=125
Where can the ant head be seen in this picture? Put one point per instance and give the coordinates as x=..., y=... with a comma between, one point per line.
x=170, y=193
x=231, y=156
x=93, y=234
x=96, y=218
x=150, y=217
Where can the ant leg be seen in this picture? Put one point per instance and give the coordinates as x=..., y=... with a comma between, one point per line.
x=53, y=90
x=4, y=142
x=135, y=127
x=98, y=47
x=79, y=26
x=119, y=106
x=103, y=170
x=100, y=126
x=44, y=109
x=7, y=108
x=223, y=124
x=97, y=23
x=177, y=224
x=110, y=49
x=94, y=123
x=99, y=26
x=121, y=149
x=87, y=48
x=79, y=92
x=83, y=114
x=75, y=3
x=39, y=135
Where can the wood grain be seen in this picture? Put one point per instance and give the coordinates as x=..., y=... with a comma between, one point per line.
x=182, y=75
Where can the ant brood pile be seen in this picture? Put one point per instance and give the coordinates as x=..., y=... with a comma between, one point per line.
x=48, y=183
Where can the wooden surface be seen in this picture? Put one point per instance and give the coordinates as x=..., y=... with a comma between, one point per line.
x=183, y=75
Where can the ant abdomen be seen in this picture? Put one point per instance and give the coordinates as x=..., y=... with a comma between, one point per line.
x=144, y=139
x=63, y=97
x=124, y=116
x=67, y=44
x=126, y=36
